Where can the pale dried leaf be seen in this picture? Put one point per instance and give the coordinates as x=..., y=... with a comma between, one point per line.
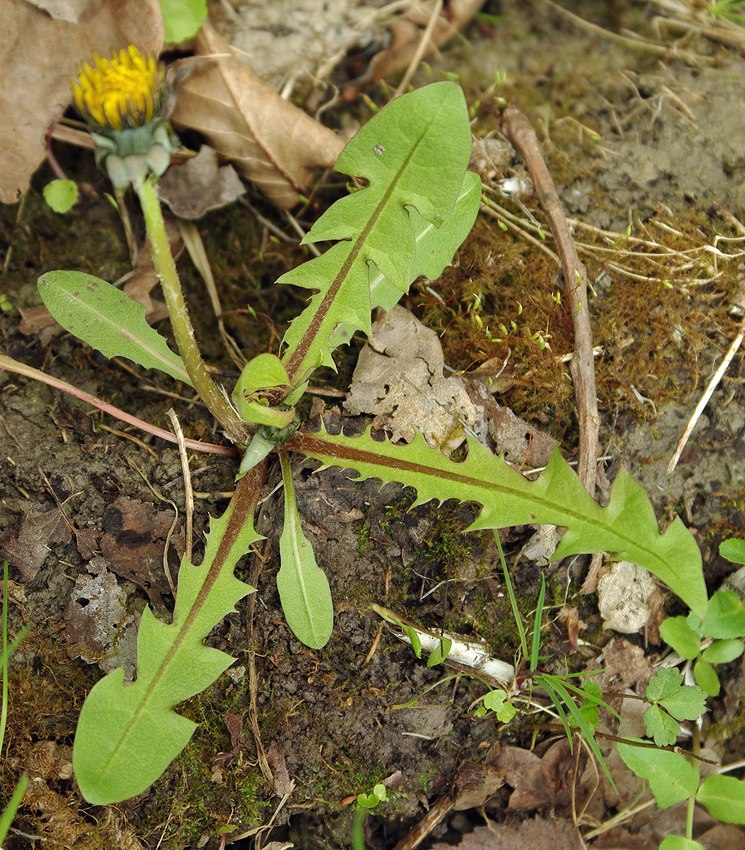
x=99, y=630
x=200, y=185
x=623, y=597
x=399, y=378
x=271, y=142
x=38, y=55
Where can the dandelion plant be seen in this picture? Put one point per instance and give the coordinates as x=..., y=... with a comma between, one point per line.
x=411, y=204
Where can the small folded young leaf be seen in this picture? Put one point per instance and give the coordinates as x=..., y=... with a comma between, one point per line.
x=128, y=733
x=626, y=527
x=107, y=319
x=303, y=587
x=421, y=143
x=262, y=373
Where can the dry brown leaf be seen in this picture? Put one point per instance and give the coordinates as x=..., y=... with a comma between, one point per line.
x=399, y=378
x=28, y=548
x=133, y=542
x=406, y=34
x=38, y=55
x=199, y=185
x=270, y=141
x=537, y=834
x=539, y=781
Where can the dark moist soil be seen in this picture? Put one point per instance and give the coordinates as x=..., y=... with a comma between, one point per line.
x=86, y=505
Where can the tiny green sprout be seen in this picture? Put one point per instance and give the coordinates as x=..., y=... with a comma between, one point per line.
x=628, y=230
x=501, y=225
x=667, y=284
x=61, y=195
x=541, y=340
x=496, y=701
x=378, y=795
x=365, y=804
x=5, y=303
x=541, y=235
x=473, y=109
x=519, y=309
x=556, y=297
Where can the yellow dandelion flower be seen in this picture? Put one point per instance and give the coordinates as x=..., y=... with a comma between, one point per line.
x=124, y=91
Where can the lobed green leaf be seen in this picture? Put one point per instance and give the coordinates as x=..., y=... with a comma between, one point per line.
x=413, y=155
x=626, y=527
x=128, y=733
x=660, y=726
x=725, y=616
x=723, y=797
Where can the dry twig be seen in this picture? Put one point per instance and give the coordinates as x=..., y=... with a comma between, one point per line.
x=517, y=129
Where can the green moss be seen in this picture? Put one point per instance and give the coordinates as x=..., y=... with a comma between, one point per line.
x=363, y=539
x=424, y=780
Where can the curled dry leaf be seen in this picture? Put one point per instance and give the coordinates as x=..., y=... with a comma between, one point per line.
x=200, y=185
x=36, y=87
x=407, y=32
x=399, y=378
x=269, y=140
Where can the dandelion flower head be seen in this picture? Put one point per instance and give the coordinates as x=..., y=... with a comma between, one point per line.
x=124, y=91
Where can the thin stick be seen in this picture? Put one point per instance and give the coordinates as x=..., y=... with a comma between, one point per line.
x=517, y=129
x=713, y=383
x=37, y=375
x=188, y=491
x=635, y=43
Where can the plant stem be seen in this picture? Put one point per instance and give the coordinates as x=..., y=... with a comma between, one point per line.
x=235, y=428
x=695, y=749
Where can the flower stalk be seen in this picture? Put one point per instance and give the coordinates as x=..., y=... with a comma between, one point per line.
x=120, y=97
x=217, y=403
